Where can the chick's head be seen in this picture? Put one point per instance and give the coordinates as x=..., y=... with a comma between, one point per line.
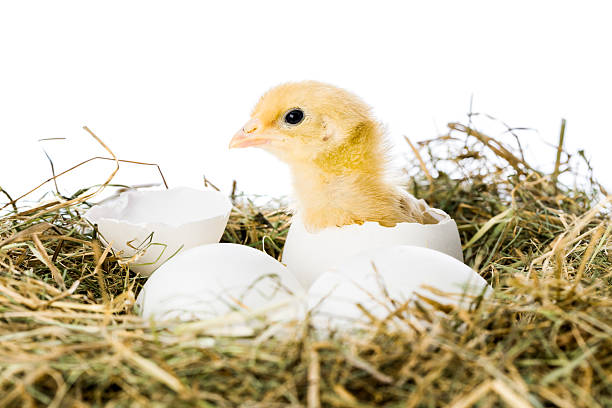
x=300, y=121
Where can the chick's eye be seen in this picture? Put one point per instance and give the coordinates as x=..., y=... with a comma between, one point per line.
x=294, y=116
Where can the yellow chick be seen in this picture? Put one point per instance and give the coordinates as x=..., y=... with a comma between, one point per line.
x=337, y=154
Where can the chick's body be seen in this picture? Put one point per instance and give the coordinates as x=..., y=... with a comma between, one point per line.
x=337, y=154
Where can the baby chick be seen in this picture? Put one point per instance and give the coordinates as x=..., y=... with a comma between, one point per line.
x=337, y=154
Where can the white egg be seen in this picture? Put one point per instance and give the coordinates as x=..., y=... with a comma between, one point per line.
x=308, y=254
x=214, y=280
x=151, y=226
x=374, y=277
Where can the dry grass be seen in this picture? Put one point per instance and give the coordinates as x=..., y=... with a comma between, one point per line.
x=69, y=337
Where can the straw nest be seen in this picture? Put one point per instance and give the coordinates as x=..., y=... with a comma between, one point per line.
x=69, y=336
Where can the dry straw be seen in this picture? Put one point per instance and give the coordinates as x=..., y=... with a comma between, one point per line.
x=69, y=336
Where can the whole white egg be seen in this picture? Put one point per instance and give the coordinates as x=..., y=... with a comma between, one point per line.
x=213, y=280
x=309, y=254
x=381, y=279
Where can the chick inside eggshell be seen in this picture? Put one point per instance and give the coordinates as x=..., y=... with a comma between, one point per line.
x=346, y=195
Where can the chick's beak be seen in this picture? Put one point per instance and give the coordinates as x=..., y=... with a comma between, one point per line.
x=249, y=135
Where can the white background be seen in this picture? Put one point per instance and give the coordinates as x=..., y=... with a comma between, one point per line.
x=170, y=82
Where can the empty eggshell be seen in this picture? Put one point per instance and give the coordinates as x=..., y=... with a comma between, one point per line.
x=213, y=280
x=373, y=277
x=309, y=254
x=157, y=224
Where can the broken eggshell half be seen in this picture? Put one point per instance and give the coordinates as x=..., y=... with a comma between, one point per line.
x=148, y=227
x=309, y=254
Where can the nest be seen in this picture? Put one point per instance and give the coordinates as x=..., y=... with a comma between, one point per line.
x=69, y=336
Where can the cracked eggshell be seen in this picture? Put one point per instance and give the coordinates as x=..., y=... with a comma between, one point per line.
x=161, y=222
x=309, y=254
x=398, y=272
x=214, y=280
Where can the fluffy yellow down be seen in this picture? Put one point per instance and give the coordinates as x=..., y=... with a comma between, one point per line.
x=337, y=155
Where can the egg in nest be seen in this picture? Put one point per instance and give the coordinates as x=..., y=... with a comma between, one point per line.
x=381, y=281
x=215, y=280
